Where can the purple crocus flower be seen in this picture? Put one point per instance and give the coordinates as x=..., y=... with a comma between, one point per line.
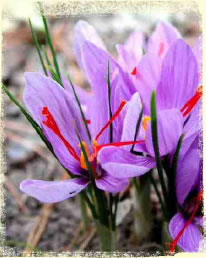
x=56, y=112
x=46, y=100
x=184, y=227
x=177, y=95
x=131, y=52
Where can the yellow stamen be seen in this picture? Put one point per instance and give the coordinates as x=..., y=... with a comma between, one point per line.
x=145, y=122
x=82, y=159
x=91, y=157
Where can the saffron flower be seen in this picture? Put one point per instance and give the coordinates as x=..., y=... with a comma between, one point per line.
x=132, y=51
x=56, y=111
x=57, y=114
x=178, y=98
x=153, y=70
x=185, y=227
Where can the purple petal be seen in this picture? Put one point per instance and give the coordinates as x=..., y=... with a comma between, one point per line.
x=110, y=184
x=95, y=62
x=192, y=128
x=197, y=50
x=83, y=95
x=162, y=38
x=179, y=78
x=126, y=59
x=170, y=128
x=131, y=51
x=130, y=121
x=42, y=91
x=82, y=32
x=120, y=163
x=53, y=191
x=148, y=78
x=191, y=237
x=135, y=43
x=187, y=173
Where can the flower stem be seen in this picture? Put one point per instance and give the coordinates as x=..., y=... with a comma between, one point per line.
x=109, y=100
x=28, y=117
x=80, y=108
x=49, y=41
x=159, y=195
x=37, y=47
x=45, y=55
x=90, y=205
x=84, y=212
x=172, y=179
x=156, y=146
x=116, y=201
x=137, y=130
x=55, y=75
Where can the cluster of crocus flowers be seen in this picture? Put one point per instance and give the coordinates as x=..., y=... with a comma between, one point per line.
x=116, y=139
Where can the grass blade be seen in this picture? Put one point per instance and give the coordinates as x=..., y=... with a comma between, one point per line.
x=100, y=199
x=80, y=108
x=109, y=101
x=55, y=76
x=172, y=179
x=37, y=48
x=137, y=130
x=90, y=205
x=158, y=194
x=45, y=55
x=49, y=41
x=156, y=146
x=28, y=117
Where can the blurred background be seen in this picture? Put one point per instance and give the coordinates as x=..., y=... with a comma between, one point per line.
x=29, y=225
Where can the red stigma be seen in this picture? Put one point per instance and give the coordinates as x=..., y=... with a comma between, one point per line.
x=134, y=71
x=112, y=119
x=192, y=102
x=175, y=241
x=51, y=124
x=117, y=144
x=161, y=49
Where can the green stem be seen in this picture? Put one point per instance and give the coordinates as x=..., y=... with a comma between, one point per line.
x=142, y=211
x=116, y=201
x=159, y=195
x=80, y=108
x=107, y=237
x=45, y=55
x=137, y=130
x=111, y=199
x=156, y=146
x=55, y=76
x=109, y=100
x=50, y=44
x=28, y=117
x=90, y=205
x=37, y=47
x=99, y=194
x=103, y=210
x=136, y=184
x=84, y=212
x=172, y=179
